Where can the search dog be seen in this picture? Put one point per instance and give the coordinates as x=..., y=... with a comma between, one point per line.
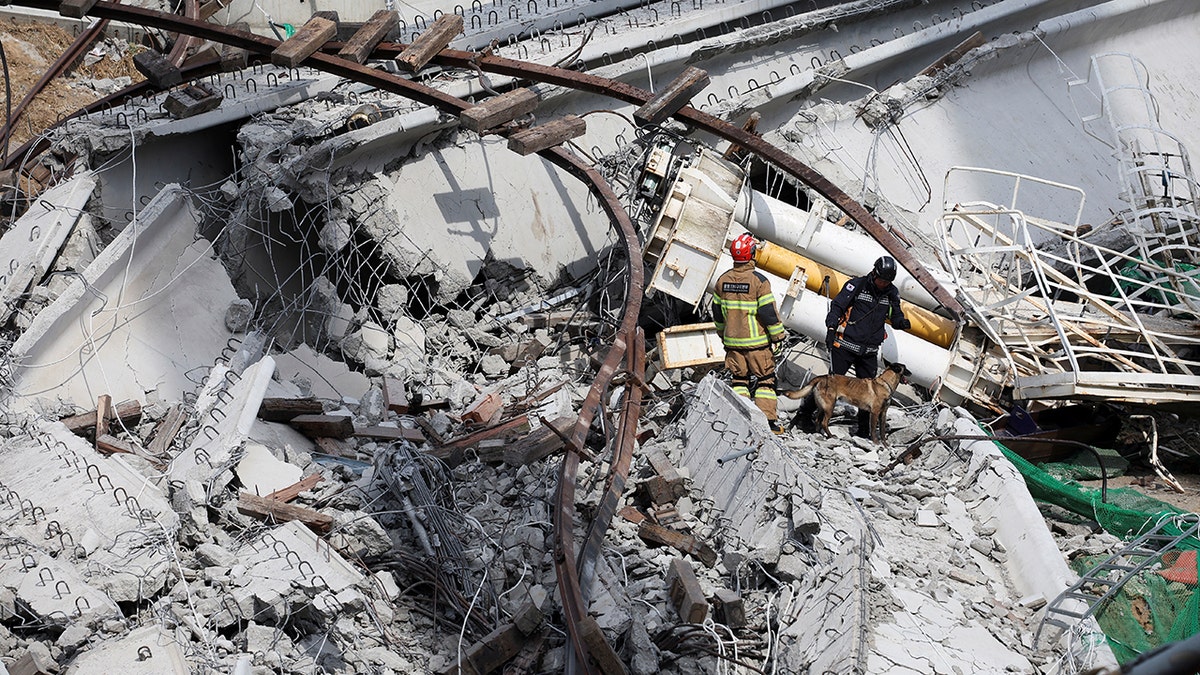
x=870, y=394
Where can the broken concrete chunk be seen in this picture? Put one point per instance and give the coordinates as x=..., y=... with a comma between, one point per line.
x=213, y=555
x=261, y=473
x=927, y=518
x=238, y=315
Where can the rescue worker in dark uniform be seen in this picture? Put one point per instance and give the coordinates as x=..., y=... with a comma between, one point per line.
x=855, y=330
x=748, y=320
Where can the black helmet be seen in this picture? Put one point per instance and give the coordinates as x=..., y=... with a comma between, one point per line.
x=885, y=268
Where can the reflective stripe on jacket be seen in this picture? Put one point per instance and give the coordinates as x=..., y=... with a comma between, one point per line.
x=744, y=309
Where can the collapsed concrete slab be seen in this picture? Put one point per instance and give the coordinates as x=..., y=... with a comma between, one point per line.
x=148, y=310
x=149, y=650
x=33, y=242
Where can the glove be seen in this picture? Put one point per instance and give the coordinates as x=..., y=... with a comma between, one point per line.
x=902, y=324
x=777, y=347
x=830, y=336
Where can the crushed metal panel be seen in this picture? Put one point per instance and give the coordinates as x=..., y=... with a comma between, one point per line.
x=688, y=237
x=697, y=344
x=1065, y=316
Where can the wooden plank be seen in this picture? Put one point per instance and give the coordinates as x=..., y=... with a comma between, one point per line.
x=192, y=100
x=167, y=430
x=546, y=440
x=499, y=110
x=76, y=9
x=960, y=50
x=736, y=153
x=292, y=491
x=112, y=445
x=670, y=100
x=599, y=649
x=367, y=38
x=391, y=433
x=337, y=447
x=329, y=426
x=157, y=69
x=490, y=653
x=680, y=541
x=208, y=9
x=395, y=396
x=129, y=412
x=428, y=44
x=686, y=594
x=272, y=510
x=104, y=413
x=484, y=409
x=304, y=43
x=287, y=409
x=548, y=135
x=329, y=15
x=729, y=608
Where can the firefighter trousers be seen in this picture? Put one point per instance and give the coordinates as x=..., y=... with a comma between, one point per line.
x=759, y=365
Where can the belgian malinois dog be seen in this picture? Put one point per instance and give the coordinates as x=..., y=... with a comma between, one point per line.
x=870, y=394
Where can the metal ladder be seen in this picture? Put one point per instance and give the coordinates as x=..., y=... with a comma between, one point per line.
x=1135, y=557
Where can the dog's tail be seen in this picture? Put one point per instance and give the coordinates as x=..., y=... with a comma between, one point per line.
x=802, y=391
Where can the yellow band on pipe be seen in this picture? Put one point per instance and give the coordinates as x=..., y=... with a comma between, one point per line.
x=781, y=262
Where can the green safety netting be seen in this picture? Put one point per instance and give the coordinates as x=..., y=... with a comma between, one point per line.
x=1157, y=606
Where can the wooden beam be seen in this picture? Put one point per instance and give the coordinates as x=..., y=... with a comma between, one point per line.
x=598, y=647
x=680, y=541
x=391, y=433
x=736, y=153
x=129, y=412
x=292, y=491
x=167, y=430
x=273, y=510
x=192, y=100
x=546, y=440
x=686, y=593
x=305, y=42
x=395, y=397
x=329, y=426
x=960, y=50
x=428, y=44
x=112, y=445
x=499, y=110
x=367, y=38
x=670, y=100
x=548, y=135
x=159, y=71
x=287, y=409
x=104, y=413
x=484, y=409
x=76, y=9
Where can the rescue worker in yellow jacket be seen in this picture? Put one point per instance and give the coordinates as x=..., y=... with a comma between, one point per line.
x=746, y=316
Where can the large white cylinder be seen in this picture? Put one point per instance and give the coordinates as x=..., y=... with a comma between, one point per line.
x=806, y=313
x=851, y=252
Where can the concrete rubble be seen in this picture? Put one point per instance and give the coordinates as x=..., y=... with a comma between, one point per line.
x=301, y=403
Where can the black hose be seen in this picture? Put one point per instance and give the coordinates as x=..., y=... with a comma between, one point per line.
x=1025, y=439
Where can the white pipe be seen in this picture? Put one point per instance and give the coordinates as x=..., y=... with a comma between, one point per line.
x=806, y=313
x=851, y=252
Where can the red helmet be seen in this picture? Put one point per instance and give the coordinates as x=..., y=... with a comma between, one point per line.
x=742, y=248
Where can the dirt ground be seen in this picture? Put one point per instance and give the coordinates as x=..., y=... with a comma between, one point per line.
x=1144, y=480
x=31, y=48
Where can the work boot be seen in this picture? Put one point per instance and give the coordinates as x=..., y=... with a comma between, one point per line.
x=776, y=427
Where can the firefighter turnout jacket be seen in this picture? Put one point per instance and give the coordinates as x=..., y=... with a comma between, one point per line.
x=857, y=314
x=744, y=309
